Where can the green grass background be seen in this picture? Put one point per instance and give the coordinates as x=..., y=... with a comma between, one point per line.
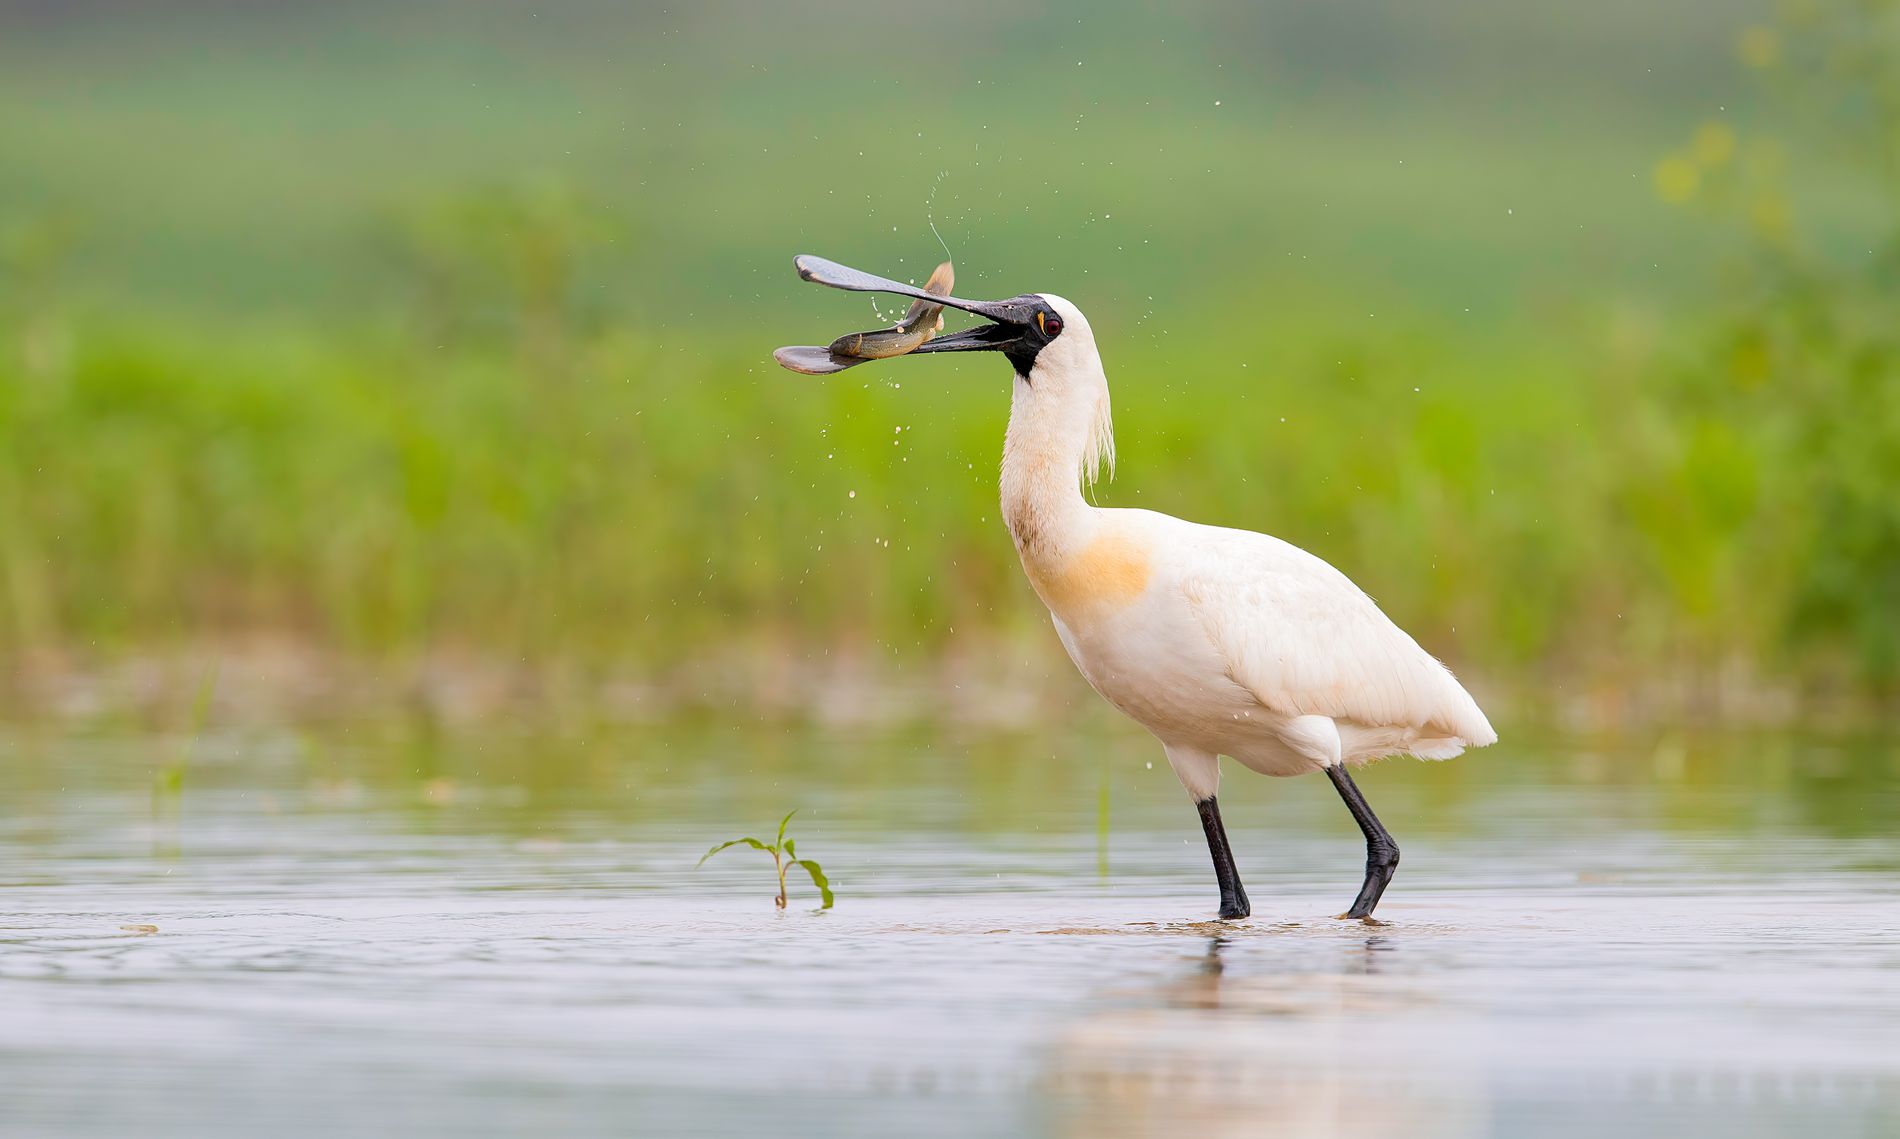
x=412, y=328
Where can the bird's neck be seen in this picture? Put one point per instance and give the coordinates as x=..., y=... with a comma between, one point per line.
x=1049, y=441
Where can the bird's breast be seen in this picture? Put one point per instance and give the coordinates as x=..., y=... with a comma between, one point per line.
x=1146, y=654
x=1108, y=573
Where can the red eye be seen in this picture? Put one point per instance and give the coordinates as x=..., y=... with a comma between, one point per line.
x=1051, y=326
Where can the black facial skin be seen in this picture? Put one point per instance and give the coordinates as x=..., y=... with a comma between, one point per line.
x=1044, y=326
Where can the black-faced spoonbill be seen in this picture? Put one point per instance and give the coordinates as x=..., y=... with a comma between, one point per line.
x=1219, y=642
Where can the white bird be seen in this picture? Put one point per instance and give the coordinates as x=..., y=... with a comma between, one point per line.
x=1218, y=641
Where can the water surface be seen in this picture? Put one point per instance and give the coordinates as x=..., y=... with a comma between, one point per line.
x=492, y=936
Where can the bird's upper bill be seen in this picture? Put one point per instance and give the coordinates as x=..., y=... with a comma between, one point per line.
x=1012, y=322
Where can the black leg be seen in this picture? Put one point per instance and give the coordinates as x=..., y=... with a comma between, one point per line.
x=1233, y=899
x=1382, y=854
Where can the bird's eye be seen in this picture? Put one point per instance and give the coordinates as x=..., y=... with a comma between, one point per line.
x=1051, y=325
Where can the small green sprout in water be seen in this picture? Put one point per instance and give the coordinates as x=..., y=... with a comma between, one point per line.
x=784, y=854
x=168, y=780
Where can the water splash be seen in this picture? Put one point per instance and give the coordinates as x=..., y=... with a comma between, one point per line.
x=930, y=206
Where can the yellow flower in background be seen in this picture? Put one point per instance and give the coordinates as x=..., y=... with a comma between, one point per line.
x=1759, y=46
x=1770, y=216
x=1677, y=179
x=1714, y=144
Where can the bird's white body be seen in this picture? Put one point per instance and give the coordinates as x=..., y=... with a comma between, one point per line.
x=1218, y=641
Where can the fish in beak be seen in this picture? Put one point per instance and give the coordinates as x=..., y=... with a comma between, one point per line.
x=1011, y=320
x=923, y=321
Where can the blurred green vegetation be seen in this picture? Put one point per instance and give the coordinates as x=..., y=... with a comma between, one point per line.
x=1568, y=334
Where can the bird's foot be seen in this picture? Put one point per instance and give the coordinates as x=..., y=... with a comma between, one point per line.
x=1364, y=919
x=1234, y=911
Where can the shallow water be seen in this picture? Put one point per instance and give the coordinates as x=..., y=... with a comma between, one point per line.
x=387, y=940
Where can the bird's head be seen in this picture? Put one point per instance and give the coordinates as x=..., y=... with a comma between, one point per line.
x=1039, y=333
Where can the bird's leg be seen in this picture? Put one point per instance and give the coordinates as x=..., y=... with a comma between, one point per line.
x=1382, y=854
x=1233, y=899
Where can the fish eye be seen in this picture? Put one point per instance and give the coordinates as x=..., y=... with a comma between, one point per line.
x=1051, y=325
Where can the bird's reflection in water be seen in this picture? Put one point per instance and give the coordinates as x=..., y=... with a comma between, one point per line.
x=1347, y=1046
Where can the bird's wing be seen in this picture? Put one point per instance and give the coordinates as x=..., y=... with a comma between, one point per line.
x=1305, y=640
